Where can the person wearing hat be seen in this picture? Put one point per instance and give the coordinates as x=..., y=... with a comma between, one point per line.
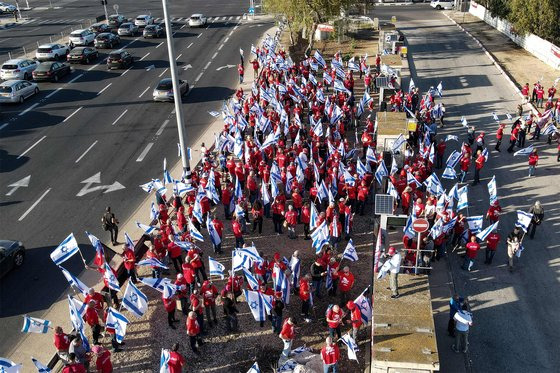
x=182, y=292
x=330, y=354
x=355, y=319
x=102, y=359
x=335, y=317
x=394, y=269
x=493, y=213
x=276, y=314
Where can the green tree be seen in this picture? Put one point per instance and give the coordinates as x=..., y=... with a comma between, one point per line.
x=540, y=17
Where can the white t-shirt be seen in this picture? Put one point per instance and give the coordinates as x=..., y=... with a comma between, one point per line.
x=463, y=320
x=395, y=263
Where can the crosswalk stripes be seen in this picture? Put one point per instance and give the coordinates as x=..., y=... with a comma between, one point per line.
x=208, y=19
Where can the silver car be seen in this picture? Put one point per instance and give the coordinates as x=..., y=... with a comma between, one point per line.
x=164, y=90
x=14, y=91
x=127, y=29
x=197, y=20
x=143, y=20
x=18, y=69
x=47, y=52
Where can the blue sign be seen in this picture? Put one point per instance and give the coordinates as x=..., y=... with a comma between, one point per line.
x=251, y=10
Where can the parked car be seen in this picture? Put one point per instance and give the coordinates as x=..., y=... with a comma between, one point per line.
x=7, y=8
x=17, y=69
x=115, y=21
x=127, y=29
x=13, y=91
x=12, y=255
x=119, y=59
x=197, y=20
x=143, y=20
x=52, y=71
x=48, y=52
x=82, y=37
x=99, y=28
x=442, y=4
x=164, y=90
x=107, y=40
x=83, y=55
x=153, y=31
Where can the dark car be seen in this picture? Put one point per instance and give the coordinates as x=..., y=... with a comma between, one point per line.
x=107, y=40
x=153, y=31
x=119, y=60
x=52, y=71
x=82, y=55
x=100, y=28
x=12, y=254
x=115, y=21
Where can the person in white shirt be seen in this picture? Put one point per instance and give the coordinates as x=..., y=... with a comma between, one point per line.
x=463, y=321
x=395, y=268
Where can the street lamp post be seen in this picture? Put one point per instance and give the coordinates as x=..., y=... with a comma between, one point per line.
x=176, y=93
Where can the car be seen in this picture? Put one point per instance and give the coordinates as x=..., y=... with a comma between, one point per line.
x=12, y=255
x=17, y=69
x=14, y=91
x=153, y=31
x=52, y=71
x=99, y=28
x=7, y=8
x=107, y=40
x=442, y=4
x=115, y=20
x=143, y=20
x=82, y=37
x=82, y=55
x=164, y=90
x=51, y=51
x=197, y=20
x=127, y=29
x=119, y=59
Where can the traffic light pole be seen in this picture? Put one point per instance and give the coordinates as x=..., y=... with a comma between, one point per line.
x=176, y=93
x=104, y=2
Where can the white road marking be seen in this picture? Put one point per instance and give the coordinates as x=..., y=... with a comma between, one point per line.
x=190, y=45
x=93, y=67
x=220, y=47
x=214, y=55
x=71, y=115
x=120, y=116
x=199, y=35
x=23, y=183
x=73, y=80
x=144, y=152
x=87, y=150
x=6, y=39
x=34, y=205
x=4, y=125
x=160, y=130
x=179, y=56
x=207, y=64
x=238, y=18
x=159, y=45
x=127, y=70
x=182, y=27
x=226, y=39
x=224, y=18
x=142, y=94
x=31, y=147
x=230, y=18
x=33, y=29
x=53, y=92
x=146, y=55
x=215, y=19
x=103, y=90
x=198, y=77
x=164, y=71
x=28, y=109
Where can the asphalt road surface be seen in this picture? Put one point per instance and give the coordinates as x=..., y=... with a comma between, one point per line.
x=515, y=328
x=100, y=122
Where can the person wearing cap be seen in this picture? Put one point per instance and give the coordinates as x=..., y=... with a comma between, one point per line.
x=394, y=269
x=209, y=293
x=102, y=359
x=193, y=331
x=276, y=314
x=287, y=335
x=176, y=360
x=355, y=318
x=169, y=303
x=98, y=300
x=493, y=213
x=330, y=354
x=345, y=284
x=491, y=245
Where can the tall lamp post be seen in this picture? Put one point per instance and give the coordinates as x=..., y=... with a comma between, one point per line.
x=176, y=93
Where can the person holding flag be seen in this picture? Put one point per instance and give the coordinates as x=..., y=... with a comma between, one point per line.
x=355, y=318
x=305, y=296
x=129, y=260
x=538, y=215
x=209, y=293
x=61, y=343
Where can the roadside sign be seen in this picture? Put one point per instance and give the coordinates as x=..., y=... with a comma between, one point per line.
x=393, y=19
x=420, y=225
x=251, y=10
x=116, y=7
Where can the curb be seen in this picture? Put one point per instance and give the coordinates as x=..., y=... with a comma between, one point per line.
x=7, y=25
x=504, y=73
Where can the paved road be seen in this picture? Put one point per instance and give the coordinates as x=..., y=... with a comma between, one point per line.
x=515, y=329
x=100, y=122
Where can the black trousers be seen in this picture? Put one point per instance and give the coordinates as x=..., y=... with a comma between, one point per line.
x=114, y=230
x=258, y=222
x=170, y=317
x=195, y=340
x=96, y=333
x=305, y=305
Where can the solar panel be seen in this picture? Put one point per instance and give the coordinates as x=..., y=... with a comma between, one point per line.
x=384, y=204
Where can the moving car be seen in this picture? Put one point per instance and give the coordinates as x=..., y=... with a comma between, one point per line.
x=153, y=31
x=52, y=71
x=115, y=20
x=82, y=37
x=164, y=90
x=82, y=55
x=13, y=91
x=143, y=20
x=7, y=8
x=12, y=255
x=197, y=20
x=51, y=51
x=442, y=4
x=127, y=29
x=119, y=59
x=17, y=69
x=106, y=40
x=99, y=28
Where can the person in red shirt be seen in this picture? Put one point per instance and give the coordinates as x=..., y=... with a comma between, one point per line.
x=306, y=219
x=287, y=334
x=513, y=138
x=330, y=354
x=355, y=319
x=175, y=253
x=257, y=212
x=209, y=293
x=98, y=300
x=533, y=162
x=493, y=213
x=73, y=366
x=440, y=152
x=193, y=331
x=305, y=296
x=226, y=199
x=335, y=318
x=102, y=359
x=62, y=343
x=478, y=165
x=470, y=256
x=170, y=303
x=176, y=360
x=92, y=318
x=241, y=72
x=525, y=92
x=345, y=284
x=499, y=136
x=406, y=197
x=291, y=221
x=237, y=232
x=465, y=164
x=256, y=66
x=129, y=263
x=219, y=227
x=491, y=245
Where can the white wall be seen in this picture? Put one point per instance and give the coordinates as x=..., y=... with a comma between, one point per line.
x=540, y=48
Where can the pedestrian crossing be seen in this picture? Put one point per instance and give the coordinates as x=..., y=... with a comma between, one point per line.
x=86, y=22
x=208, y=19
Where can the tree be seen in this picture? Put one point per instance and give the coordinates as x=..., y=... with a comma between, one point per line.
x=540, y=17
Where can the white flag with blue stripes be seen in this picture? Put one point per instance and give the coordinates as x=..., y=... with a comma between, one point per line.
x=77, y=311
x=116, y=320
x=194, y=232
x=212, y=232
x=251, y=280
x=523, y=220
x=493, y=190
x=449, y=173
x=453, y=159
x=365, y=307
x=295, y=267
x=40, y=367
x=216, y=268
x=525, y=151
x=148, y=229
x=475, y=223
x=313, y=216
x=350, y=252
x=439, y=89
x=319, y=58
x=154, y=213
x=35, y=325
x=134, y=300
x=8, y=366
x=164, y=361
x=398, y=143
x=352, y=346
x=152, y=262
x=74, y=281
x=254, y=368
x=108, y=275
x=320, y=237
x=260, y=304
x=486, y=232
x=282, y=284
x=463, y=200
x=65, y=250
x=381, y=171
x=155, y=283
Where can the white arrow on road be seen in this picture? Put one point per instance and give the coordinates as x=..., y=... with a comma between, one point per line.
x=225, y=67
x=259, y=25
x=96, y=179
x=150, y=68
x=18, y=184
x=189, y=66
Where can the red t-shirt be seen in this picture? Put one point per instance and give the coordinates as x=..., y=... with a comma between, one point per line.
x=335, y=317
x=480, y=162
x=472, y=249
x=169, y=303
x=492, y=241
x=129, y=259
x=330, y=354
x=74, y=368
x=304, y=289
x=103, y=362
x=287, y=331
x=346, y=281
x=61, y=342
x=176, y=362
x=91, y=316
x=192, y=326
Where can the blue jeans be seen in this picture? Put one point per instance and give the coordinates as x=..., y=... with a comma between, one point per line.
x=468, y=263
x=317, y=285
x=327, y=368
x=463, y=175
x=531, y=170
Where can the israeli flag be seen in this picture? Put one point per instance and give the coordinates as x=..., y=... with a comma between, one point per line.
x=475, y=223
x=322, y=191
x=449, y=173
x=449, y=225
x=451, y=137
x=148, y=229
x=523, y=220
x=410, y=179
x=353, y=65
x=370, y=155
x=525, y=151
x=74, y=282
x=411, y=85
x=254, y=368
x=320, y=236
x=365, y=307
x=319, y=58
x=251, y=280
x=336, y=114
x=152, y=262
x=275, y=174
x=212, y=232
x=154, y=213
x=551, y=129
x=381, y=172
x=108, y=275
x=260, y=304
x=239, y=261
x=85, y=341
x=485, y=233
x=464, y=122
x=40, y=367
x=194, y=232
x=8, y=366
x=313, y=216
x=439, y=89
x=493, y=190
x=453, y=159
x=264, y=194
x=99, y=251
x=398, y=143
x=463, y=200
x=352, y=346
x=216, y=268
x=147, y=187
x=282, y=284
x=350, y=252
x=128, y=241
x=134, y=300
x=65, y=250
x=495, y=116
x=35, y=325
x=155, y=283
x=295, y=267
x=164, y=361
x=437, y=229
x=360, y=168
x=116, y=320
x=339, y=86
x=215, y=114
x=317, y=127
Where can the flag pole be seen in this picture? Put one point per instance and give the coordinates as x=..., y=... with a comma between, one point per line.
x=83, y=259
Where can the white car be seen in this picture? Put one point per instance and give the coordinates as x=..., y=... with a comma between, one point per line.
x=127, y=29
x=14, y=91
x=7, y=8
x=197, y=20
x=18, y=69
x=47, y=52
x=442, y=4
x=82, y=37
x=144, y=20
